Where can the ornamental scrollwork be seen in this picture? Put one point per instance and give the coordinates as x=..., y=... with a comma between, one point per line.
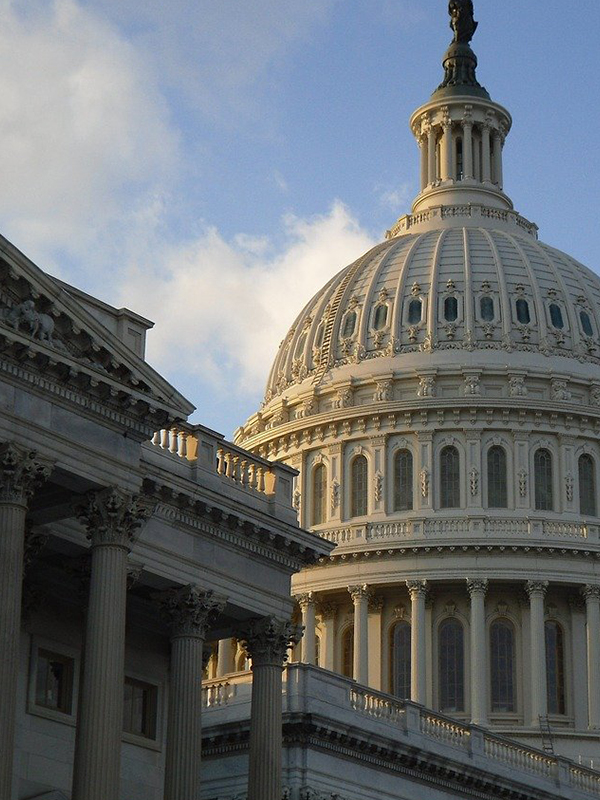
x=22, y=471
x=190, y=609
x=560, y=390
x=477, y=586
x=569, y=487
x=536, y=588
x=378, y=486
x=335, y=494
x=523, y=480
x=267, y=640
x=113, y=516
x=427, y=387
x=417, y=588
x=424, y=478
x=517, y=387
x=474, y=481
x=384, y=392
x=472, y=386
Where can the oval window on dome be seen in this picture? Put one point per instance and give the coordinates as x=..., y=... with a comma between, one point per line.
x=486, y=309
x=380, y=317
x=586, y=323
x=349, y=325
x=451, y=309
x=556, y=317
x=415, y=312
x=523, y=314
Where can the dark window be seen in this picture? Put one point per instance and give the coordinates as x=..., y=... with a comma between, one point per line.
x=403, y=481
x=586, y=323
x=486, y=307
x=348, y=653
x=543, y=481
x=556, y=317
x=496, y=478
x=523, y=314
x=451, y=666
x=502, y=665
x=451, y=309
x=380, y=317
x=415, y=312
x=54, y=681
x=359, y=486
x=400, y=660
x=319, y=494
x=349, y=325
x=555, y=667
x=449, y=478
x=139, y=708
x=587, y=486
x=459, y=160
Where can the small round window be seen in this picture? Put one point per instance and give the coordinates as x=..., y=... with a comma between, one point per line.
x=349, y=325
x=380, y=317
x=586, y=323
x=486, y=309
x=556, y=317
x=415, y=312
x=523, y=314
x=451, y=309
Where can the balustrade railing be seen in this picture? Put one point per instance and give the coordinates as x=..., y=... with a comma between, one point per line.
x=376, y=705
x=217, y=694
x=585, y=779
x=446, y=730
x=519, y=756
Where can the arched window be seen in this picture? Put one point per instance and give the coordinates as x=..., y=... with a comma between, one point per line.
x=523, y=315
x=400, y=660
x=451, y=309
x=319, y=494
x=496, y=478
x=555, y=667
x=359, y=486
x=486, y=308
x=451, y=660
x=415, y=312
x=502, y=665
x=403, y=481
x=586, y=323
x=543, y=481
x=556, y=316
x=349, y=325
x=380, y=317
x=459, y=160
x=348, y=653
x=587, y=486
x=449, y=478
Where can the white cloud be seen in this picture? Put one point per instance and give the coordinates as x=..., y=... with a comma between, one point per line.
x=221, y=307
x=395, y=199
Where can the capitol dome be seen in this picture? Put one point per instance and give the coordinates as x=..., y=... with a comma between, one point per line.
x=440, y=401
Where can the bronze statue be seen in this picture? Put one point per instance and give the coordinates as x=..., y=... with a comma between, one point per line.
x=461, y=20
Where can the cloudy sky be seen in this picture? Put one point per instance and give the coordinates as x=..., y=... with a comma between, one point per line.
x=211, y=163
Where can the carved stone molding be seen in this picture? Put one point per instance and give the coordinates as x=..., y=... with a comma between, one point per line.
x=190, y=609
x=21, y=473
x=305, y=599
x=477, y=586
x=359, y=592
x=268, y=640
x=591, y=592
x=536, y=588
x=417, y=588
x=113, y=516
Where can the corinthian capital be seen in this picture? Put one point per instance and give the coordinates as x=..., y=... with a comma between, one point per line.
x=591, y=592
x=21, y=472
x=113, y=516
x=536, y=588
x=305, y=600
x=190, y=610
x=417, y=588
x=267, y=640
x=360, y=592
x=477, y=586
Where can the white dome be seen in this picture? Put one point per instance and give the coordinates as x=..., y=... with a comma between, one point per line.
x=465, y=293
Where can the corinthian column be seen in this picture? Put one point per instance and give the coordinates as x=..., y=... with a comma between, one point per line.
x=539, y=692
x=190, y=611
x=20, y=473
x=418, y=663
x=309, y=622
x=360, y=597
x=112, y=518
x=592, y=604
x=477, y=590
x=267, y=641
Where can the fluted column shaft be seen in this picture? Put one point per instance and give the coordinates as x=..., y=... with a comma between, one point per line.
x=479, y=702
x=498, y=176
x=309, y=622
x=432, y=155
x=225, y=658
x=447, y=147
x=418, y=663
x=267, y=642
x=486, y=163
x=468, y=173
x=327, y=612
x=190, y=610
x=20, y=473
x=424, y=162
x=111, y=517
x=592, y=604
x=539, y=693
x=360, y=598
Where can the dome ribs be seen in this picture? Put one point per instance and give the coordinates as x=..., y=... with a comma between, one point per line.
x=433, y=290
x=505, y=311
x=396, y=323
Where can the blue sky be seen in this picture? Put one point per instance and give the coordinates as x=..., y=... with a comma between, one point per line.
x=211, y=163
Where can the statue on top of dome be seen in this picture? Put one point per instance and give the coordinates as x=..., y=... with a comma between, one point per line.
x=462, y=20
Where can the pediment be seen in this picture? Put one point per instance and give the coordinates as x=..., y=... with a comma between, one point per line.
x=44, y=328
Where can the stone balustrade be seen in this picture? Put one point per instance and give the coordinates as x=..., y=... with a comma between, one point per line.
x=408, y=222
x=217, y=693
x=520, y=757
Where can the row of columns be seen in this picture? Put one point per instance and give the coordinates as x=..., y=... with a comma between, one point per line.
x=491, y=154
x=477, y=589
x=112, y=519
